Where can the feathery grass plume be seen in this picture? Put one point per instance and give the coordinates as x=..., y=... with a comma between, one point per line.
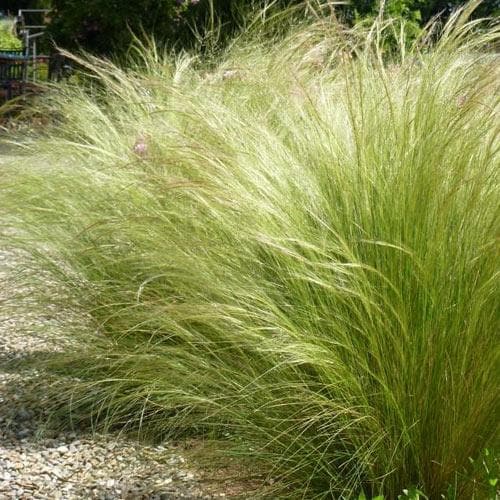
x=304, y=263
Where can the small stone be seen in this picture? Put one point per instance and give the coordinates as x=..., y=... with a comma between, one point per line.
x=23, y=414
x=69, y=465
x=23, y=433
x=58, y=472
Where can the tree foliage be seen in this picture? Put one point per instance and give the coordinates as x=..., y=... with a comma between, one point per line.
x=108, y=26
x=105, y=26
x=7, y=40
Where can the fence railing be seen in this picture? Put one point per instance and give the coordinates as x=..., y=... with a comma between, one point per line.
x=13, y=72
x=13, y=65
x=11, y=52
x=20, y=72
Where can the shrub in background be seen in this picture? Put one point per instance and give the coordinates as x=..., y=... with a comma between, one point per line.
x=7, y=40
x=100, y=27
x=108, y=27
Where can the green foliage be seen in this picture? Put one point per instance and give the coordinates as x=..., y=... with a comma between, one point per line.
x=106, y=27
x=290, y=248
x=486, y=470
x=408, y=494
x=488, y=467
x=412, y=494
x=413, y=15
x=7, y=40
x=421, y=11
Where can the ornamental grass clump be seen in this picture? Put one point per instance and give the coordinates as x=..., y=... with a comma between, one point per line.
x=292, y=248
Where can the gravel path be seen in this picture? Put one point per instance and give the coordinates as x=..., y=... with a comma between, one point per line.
x=36, y=463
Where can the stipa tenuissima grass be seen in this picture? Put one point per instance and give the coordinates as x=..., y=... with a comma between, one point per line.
x=296, y=244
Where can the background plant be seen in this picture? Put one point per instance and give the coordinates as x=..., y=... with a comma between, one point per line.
x=7, y=40
x=108, y=27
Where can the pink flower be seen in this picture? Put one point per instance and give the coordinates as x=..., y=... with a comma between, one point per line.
x=140, y=147
x=461, y=100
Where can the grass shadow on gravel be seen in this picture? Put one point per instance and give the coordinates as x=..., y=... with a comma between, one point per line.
x=35, y=413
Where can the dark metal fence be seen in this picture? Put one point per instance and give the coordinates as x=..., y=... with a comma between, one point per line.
x=12, y=65
x=13, y=72
x=20, y=72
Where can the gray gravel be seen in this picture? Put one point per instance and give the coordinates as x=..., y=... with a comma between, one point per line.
x=37, y=463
